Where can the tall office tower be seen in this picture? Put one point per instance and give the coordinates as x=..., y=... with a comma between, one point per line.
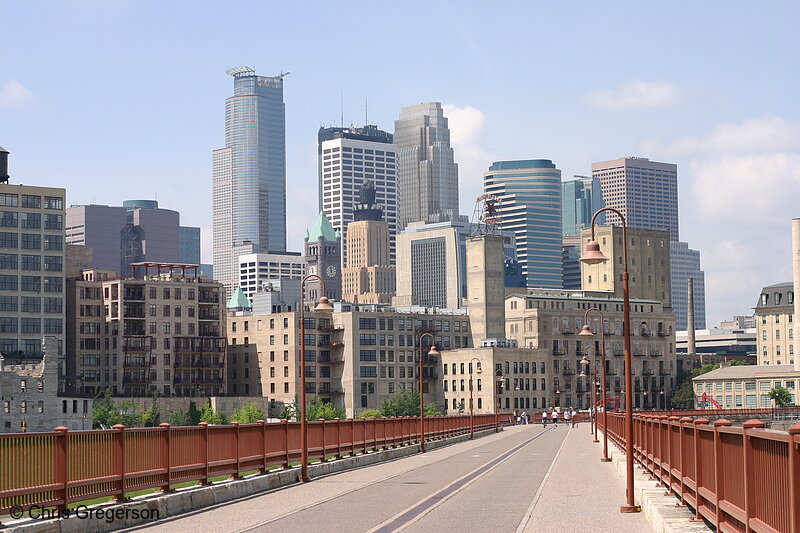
x=369, y=276
x=685, y=264
x=249, y=174
x=323, y=257
x=570, y=255
x=260, y=271
x=32, y=261
x=427, y=175
x=580, y=198
x=189, y=252
x=348, y=158
x=432, y=263
x=530, y=194
x=648, y=264
x=137, y=231
x=644, y=191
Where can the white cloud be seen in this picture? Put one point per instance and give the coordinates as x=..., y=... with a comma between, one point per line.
x=767, y=134
x=634, y=94
x=15, y=95
x=467, y=137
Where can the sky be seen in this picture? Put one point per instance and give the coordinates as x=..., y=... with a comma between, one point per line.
x=118, y=99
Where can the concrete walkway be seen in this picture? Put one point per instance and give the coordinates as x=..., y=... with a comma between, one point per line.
x=580, y=493
x=523, y=479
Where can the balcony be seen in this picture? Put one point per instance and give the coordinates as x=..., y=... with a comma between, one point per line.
x=329, y=328
x=647, y=372
x=663, y=334
x=336, y=391
x=198, y=362
x=663, y=372
x=334, y=358
x=135, y=379
x=567, y=331
x=133, y=295
x=430, y=375
x=567, y=372
x=136, y=343
x=644, y=333
x=199, y=380
x=556, y=351
x=208, y=314
x=208, y=298
x=426, y=329
x=203, y=344
x=639, y=354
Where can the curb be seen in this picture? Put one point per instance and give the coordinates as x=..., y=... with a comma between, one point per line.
x=146, y=509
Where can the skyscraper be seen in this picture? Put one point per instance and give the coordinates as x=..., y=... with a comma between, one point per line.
x=644, y=191
x=349, y=158
x=530, y=194
x=580, y=198
x=249, y=174
x=685, y=264
x=137, y=231
x=427, y=174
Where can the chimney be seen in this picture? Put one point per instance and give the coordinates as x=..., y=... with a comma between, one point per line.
x=796, y=279
x=690, y=344
x=3, y=165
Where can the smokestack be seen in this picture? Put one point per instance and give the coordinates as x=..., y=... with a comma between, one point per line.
x=690, y=344
x=796, y=279
x=3, y=165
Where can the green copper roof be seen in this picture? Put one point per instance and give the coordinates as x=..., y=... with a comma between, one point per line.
x=239, y=300
x=322, y=228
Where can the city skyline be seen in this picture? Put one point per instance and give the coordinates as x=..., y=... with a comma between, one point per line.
x=700, y=103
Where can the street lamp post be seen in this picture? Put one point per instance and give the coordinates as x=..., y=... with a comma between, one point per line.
x=593, y=419
x=471, y=410
x=322, y=306
x=433, y=351
x=586, y=331
x=592, y=256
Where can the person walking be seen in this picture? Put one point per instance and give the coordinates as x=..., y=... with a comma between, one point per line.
x=544, y=418
x=567, y=417
x=554, y=416
x=524, y=418
x=574, y=417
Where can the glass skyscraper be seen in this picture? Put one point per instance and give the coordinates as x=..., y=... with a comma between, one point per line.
x=249, y=174
x=427, y=175
x=580, y=198
x=530, y=192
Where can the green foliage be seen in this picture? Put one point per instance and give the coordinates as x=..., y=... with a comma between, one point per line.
x=193, y=414
x=317, y=409
x=404, y=403
x=461, y=407
x=108, y=412
x=290, y=411
x=781, y=396
x=369, y=413
x=180, y=418
x=432, y=409
x=212, y=417
x=247, y=413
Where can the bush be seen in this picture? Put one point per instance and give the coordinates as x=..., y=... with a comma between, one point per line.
x=247, y=413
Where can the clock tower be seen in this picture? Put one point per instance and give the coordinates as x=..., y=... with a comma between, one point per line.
x=323, y=246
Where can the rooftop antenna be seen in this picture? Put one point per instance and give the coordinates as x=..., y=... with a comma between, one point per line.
x=366, y=112
x=341, y=107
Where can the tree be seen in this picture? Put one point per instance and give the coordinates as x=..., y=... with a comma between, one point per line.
x=151, y=415
x=432, y=409
x=317, y=409
x=369, y=413
x=405, y=403
x=180, y=418
x=107, y=412
x=193, y=414
x=212, y=417
x=781, y=396
x=247, y=413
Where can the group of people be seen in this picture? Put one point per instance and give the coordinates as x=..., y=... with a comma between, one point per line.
x=570, y=417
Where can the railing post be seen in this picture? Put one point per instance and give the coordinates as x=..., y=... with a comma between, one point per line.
x=338, y=437
x=263, y=467
x=237, y=474
x=285, y=442
x=119, y=461
x=60, y=460
x=719, y=471
x=698, y=480
x=166, y=438
x=204, y=452
x=747, y=452
x=682, y=470
x=794, y=477
x=670, y=454
x=324, y=456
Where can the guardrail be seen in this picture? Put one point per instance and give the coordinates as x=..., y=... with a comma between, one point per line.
x=55, y=469
x=738, y=478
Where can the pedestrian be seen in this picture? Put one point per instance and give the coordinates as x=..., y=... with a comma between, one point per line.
x=567, y=417
x=574, y=417
x=544, y=418
x=516, y=418
x=524, y=418
x=554, y=416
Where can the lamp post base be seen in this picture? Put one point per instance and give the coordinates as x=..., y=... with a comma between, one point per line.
x=303, y=479
x=630, y=509
x=605, y=459
x=595, y=440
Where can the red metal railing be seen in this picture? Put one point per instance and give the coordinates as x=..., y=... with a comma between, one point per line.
x=740, y=479
x=63, y=467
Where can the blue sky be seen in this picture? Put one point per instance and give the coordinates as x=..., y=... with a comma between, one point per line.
x=118, y=100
